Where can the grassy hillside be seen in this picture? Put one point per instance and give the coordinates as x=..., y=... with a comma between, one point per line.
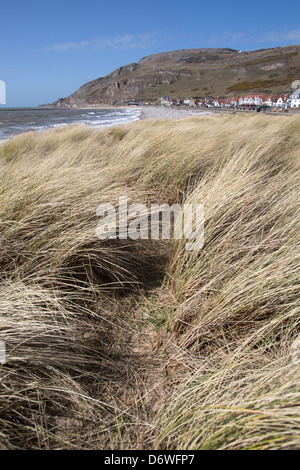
x=194, y=73
x=141, y=344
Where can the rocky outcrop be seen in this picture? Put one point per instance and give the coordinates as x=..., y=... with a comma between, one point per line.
x=192, y=73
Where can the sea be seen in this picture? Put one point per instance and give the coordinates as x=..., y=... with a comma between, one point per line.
x=14, y=121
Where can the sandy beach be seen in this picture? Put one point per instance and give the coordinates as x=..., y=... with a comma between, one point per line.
x=160, y=112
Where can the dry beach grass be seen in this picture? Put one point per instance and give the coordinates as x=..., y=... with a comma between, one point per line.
x=141, y=344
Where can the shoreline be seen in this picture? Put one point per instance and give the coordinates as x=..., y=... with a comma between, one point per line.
x=164, y=112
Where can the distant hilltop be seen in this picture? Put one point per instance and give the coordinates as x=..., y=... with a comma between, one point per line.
x=193, y=73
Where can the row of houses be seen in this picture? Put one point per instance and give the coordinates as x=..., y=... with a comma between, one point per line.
x=285, y=100
x=274, y=101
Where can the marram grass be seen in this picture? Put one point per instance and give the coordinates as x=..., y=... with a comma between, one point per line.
x=141, y=344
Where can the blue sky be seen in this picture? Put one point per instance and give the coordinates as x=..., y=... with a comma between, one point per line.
x=48, y=49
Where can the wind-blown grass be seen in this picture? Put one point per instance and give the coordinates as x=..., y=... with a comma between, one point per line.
x=226, y=317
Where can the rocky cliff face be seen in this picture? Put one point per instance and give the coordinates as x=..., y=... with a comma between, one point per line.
x=193, y=73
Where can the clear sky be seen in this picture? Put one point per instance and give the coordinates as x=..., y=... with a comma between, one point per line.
x=48, y=49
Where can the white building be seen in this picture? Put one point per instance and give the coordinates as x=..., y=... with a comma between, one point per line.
x=219, y=103
x=251, y=100
x=295, y=99
x=165, y=101
x=269, y=101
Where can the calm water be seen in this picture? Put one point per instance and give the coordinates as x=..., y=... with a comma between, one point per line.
x=16, y=121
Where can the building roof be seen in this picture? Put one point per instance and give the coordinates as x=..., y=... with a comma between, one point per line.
x=295, y=94
x=262, y=97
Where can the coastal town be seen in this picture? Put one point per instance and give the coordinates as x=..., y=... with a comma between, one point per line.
x=279, y=103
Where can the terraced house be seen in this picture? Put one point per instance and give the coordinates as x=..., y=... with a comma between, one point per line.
x=255, y=100
x=295, y=99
